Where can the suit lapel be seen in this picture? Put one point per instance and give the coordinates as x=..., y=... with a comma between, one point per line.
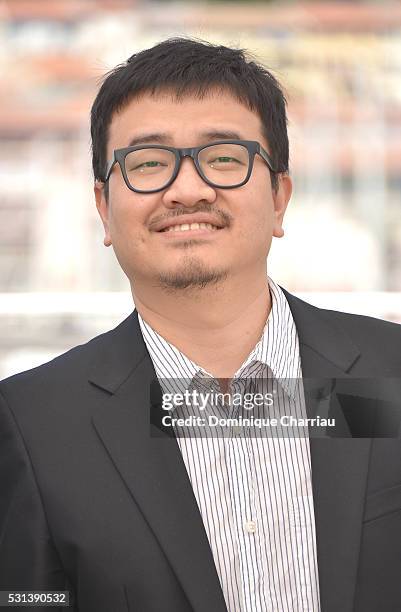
x=150, y=463
x=339, y=465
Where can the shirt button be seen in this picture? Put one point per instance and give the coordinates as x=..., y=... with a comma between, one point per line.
x=236, y=431
x=250, y=526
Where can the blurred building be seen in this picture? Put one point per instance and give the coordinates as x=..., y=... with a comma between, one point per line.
x=340, y=64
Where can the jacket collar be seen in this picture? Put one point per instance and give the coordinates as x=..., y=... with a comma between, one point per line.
x=318, y=334
x=118, y=354
x=329, y=350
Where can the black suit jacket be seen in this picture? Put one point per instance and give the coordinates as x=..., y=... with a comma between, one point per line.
x=90, y=501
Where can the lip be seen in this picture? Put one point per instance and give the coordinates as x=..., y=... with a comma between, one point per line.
x=186, y=234
x=188, y=219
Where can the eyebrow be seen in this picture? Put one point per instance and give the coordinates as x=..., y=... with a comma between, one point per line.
x=164, y=138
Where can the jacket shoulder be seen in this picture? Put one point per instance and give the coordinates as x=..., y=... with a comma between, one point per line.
x=381, y=339
x=365, y=328
x=376, y=340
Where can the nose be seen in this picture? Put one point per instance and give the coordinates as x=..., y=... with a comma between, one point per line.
x=188, y=188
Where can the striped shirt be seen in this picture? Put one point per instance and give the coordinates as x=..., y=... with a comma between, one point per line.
x=253, y=490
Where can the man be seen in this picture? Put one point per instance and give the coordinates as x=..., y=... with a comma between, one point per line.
x=104, y=496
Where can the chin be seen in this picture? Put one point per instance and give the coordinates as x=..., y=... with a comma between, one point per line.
x=196, y=276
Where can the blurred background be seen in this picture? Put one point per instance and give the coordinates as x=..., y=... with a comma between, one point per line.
x=340, y=64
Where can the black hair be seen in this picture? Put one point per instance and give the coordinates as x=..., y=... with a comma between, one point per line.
x=188, y=66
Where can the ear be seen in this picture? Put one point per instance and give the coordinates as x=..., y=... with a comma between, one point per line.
x=103, y=210
x=281, y=197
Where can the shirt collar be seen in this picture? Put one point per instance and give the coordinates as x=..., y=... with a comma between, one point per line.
x=277, y=349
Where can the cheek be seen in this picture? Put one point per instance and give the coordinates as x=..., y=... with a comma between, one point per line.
x=128, y=219
x=125, y=225
x=256, y=213
x=256, y=228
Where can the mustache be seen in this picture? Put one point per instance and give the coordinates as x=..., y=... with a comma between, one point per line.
x=224, y=217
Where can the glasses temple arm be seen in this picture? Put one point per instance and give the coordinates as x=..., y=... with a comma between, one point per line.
x=109, y=168
x=263, y=153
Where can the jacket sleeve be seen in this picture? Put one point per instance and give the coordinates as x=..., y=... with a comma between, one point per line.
x=28, y=558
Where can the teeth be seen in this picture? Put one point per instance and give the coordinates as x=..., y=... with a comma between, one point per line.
x=193, y=226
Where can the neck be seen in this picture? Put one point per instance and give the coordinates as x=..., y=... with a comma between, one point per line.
x=216, y=327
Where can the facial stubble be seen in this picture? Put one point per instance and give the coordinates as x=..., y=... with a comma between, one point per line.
x=191, y=273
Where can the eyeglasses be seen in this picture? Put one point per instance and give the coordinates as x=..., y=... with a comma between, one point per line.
x=224, y=164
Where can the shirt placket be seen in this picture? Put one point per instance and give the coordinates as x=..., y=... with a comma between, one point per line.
x=241, y=482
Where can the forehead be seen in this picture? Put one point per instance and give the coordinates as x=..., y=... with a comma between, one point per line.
x=183, y=121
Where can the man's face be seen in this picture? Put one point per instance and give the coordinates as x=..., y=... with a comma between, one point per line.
x=250, y=215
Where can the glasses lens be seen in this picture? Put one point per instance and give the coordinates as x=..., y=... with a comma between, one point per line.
x=149, y=169
x=225, y=165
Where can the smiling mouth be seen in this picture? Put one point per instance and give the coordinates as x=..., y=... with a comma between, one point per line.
x=186, y=227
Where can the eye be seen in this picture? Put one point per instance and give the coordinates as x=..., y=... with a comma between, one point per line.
x=148, y=164
x=145, y=166
x=223, y=160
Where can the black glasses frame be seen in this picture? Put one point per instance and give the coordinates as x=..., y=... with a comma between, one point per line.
x=252, y=146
